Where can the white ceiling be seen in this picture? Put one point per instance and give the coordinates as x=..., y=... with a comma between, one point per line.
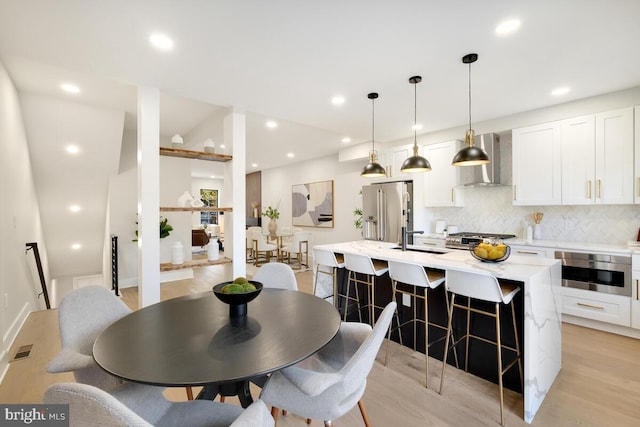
x=286, y=59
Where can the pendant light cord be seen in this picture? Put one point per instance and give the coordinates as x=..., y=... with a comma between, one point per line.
x=373, y=125
x=415, y=114
x=469, y=95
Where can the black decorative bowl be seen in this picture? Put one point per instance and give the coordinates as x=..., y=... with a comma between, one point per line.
x=237, y=302
x=480, y=254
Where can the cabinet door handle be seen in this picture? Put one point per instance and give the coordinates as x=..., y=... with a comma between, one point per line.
x=453, y=196
x=589, y=189
x=515, y=192
x=527, y=252
x=599, y=196
x=637, y=298
x=590, y=306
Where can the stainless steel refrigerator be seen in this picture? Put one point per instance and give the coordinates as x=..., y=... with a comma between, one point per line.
x=386, y=208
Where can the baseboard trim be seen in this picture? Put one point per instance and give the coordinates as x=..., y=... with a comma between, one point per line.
x=602, y=326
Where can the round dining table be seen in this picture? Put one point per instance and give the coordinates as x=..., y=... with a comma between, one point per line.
x=193, y=341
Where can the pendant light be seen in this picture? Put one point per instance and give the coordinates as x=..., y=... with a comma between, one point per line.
x=470, y=155
x=373, y=169
x=415, y=163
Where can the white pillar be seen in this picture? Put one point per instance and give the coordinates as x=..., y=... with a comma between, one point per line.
x=234, y=190
x=148, y=196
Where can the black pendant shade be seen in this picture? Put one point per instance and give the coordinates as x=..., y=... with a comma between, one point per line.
x=373, y=169
x=415, y=163
x=470, y=155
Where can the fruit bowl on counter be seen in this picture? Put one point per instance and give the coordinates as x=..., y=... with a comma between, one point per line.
x=490, y=252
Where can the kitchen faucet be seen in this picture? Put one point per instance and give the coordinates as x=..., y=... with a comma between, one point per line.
x=405, y=234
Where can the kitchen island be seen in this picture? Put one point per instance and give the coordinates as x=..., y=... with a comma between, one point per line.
x=540, y=280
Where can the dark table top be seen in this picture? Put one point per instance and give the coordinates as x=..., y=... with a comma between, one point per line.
x=192, y=340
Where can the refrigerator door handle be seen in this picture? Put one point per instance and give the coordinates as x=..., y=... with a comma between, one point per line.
x=382, y=217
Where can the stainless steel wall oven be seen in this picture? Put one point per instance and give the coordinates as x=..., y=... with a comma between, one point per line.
x=596, y=272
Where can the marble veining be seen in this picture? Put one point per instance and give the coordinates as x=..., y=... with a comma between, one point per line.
x=542, y=346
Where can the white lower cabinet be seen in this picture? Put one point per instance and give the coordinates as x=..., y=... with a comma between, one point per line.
x=635, y=292
x=532, y=251
x=599, y=306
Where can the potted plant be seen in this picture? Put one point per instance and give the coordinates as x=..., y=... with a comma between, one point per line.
x=273, y=214
x=165, y=229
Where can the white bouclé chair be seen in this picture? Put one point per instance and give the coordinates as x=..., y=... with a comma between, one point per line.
x=83, y=315
x=276, y=275
x=140, y=405
x=330, y=383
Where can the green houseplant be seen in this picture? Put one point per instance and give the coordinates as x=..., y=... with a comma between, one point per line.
x=273, y=214
x=165, y=229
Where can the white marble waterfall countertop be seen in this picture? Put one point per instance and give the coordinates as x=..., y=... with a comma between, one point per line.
x=541, y=279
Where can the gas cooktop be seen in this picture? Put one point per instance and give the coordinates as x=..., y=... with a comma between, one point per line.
x=464, y=239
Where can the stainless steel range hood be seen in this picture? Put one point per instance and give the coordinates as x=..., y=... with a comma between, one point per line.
x=484, y=175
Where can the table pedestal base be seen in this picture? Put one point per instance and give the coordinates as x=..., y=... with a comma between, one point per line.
x=239, y=388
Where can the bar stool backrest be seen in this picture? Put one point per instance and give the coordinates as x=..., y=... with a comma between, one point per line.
x=325, y=257
x=359, y=263
x=411, y=274
x=481, y=286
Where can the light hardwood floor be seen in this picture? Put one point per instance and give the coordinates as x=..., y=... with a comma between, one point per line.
x=599, y=384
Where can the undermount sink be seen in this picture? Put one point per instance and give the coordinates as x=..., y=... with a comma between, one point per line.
x=425, y=250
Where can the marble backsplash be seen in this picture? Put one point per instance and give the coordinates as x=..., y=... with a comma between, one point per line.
x=489, y=209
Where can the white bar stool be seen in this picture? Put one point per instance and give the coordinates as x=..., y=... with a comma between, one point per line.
x=417, y=276
x=484, y=287
x=363, y=265
x=326, y=258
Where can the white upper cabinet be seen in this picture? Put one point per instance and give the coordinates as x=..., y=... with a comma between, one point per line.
x=537, y=165
x=578, y=160
x=440, y=185
x=636, y=180
x=614, y=157
x=398, y=156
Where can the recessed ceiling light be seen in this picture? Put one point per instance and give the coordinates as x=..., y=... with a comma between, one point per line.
x=254, y=165
x=337, y=100
x=559, y=91
x=271, y=124
x=70, y=88
x=212, y=177
x=417, y=126
x=290, y=155
x=221, y=145
x=74, y=208
x=160, y=41
x=72, y=149
x=507, y=27
x=76, y=246
x=346, y=140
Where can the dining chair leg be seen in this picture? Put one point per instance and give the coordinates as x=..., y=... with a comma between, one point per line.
x=308, y=420
x=274, y=414
x=518, y=355
x=221, y=399
x=365, y=418
x=189, y=393
x=466, y=345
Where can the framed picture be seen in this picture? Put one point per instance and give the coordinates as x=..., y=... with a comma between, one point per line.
x=312, y=204
x=210, y=199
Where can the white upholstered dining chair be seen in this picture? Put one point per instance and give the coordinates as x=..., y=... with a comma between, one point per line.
x=142, y=405
x=83, y=314
x=330, y=383
x=276, y=275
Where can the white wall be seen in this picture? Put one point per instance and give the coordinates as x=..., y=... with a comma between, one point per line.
x=276, y=191
x=19, y=222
